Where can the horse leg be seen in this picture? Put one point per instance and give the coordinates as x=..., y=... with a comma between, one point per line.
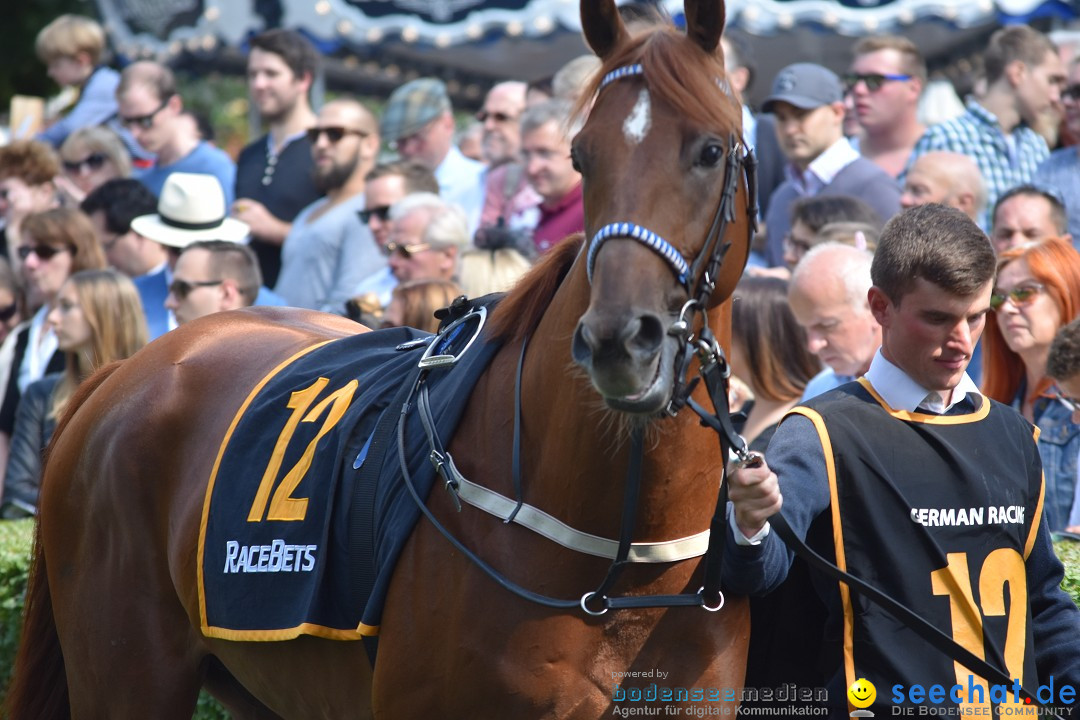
x=240, y=703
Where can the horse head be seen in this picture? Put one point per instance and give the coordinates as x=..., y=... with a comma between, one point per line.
x=654, y=155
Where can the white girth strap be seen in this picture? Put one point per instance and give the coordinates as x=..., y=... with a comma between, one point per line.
x=553, y=529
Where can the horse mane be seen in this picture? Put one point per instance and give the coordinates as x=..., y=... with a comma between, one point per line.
x=678, y=71
x=518, y=314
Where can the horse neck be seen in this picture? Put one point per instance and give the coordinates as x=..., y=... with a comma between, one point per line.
x=576, y=451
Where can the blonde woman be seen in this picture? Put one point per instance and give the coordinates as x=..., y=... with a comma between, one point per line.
x=413, y=304
x=90, y=157
x=98, y=318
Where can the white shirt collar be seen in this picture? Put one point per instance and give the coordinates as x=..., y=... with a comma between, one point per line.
x=836, y=157
x=901, y=392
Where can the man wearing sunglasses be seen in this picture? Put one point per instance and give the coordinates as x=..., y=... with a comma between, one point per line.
x=807, y=100
x=418, y=122
x=428, y=236
x=1023, y=81
x=328, y=250
x=885, y=80
x=213, y=276
x=150, y=108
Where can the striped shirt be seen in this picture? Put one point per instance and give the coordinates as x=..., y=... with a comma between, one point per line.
x=1004, y=161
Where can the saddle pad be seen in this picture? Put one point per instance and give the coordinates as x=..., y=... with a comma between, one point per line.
x=273, y=553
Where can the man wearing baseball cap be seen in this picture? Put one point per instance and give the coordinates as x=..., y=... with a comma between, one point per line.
x=807, y=101
x=419, y=122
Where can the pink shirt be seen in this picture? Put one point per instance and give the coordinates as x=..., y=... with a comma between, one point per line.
x=565, y=217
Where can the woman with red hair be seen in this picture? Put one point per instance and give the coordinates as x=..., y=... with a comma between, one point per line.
x=1037, y=291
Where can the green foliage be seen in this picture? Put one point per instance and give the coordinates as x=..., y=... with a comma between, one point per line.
x=1069, y=552
x=16, y=537
x=23, y=73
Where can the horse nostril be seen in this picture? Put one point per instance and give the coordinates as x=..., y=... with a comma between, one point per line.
x=583, y=345
x=645, y=335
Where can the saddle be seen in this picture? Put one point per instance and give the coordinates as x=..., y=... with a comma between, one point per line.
x=305, y=510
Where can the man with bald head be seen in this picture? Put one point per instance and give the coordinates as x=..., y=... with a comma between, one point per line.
x=948, y=178
x=329, y=250
x=506, y=189
x=828, y=297
x=502, y=133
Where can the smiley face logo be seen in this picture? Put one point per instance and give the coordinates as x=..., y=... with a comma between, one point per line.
x=862, y=693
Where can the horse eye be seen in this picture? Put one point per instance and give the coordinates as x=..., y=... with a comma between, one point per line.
x=711, y=155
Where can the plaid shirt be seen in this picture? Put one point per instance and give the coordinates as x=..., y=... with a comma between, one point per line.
x=978, y=134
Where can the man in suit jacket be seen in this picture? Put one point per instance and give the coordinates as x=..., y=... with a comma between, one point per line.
x=807, y=100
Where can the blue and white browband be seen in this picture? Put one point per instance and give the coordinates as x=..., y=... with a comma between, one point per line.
x=633, y=231
x=619, y=73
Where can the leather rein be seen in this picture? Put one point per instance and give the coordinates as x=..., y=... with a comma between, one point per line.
x=699, y=280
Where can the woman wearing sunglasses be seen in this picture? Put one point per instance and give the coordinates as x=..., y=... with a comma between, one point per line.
x=1037, y=291
x=98, y=318
x=90, y=157
x=54, y=245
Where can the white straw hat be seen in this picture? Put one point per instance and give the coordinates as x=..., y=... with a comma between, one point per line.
x=191, y=208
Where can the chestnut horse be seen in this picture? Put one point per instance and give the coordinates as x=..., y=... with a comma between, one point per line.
x=113, y=622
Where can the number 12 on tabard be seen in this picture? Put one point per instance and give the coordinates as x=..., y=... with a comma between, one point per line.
x=284, y=506
x=1002, y=567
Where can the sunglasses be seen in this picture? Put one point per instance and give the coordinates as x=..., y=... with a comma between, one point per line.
x=88, y=163
x=333, y=133
x=182, y=288
x=499, y=117
x=406, y=251
x=1020, y=296
x=44, y=252
x=8, y=312
x=144, y=121
x=873, y=81
x=1072, y=92
x=382, y=212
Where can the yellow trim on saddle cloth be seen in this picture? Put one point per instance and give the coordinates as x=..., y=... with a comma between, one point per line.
x=255, y=635
x=929, y=419
x=838, y=540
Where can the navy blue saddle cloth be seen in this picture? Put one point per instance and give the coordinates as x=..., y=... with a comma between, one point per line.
x=275, y=551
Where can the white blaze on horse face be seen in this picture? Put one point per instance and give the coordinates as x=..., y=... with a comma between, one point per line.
x=638, y=122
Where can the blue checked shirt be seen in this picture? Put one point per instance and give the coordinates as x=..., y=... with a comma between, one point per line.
x=978, y=134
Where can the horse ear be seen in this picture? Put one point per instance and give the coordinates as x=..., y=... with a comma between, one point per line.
x=705, y=22
x=603, y=27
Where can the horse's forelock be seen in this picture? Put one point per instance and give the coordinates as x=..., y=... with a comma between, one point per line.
x=679, y=72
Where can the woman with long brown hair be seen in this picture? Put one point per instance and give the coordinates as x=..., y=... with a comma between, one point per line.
x=98, y=318
x=769, y=355
x=1037, y=291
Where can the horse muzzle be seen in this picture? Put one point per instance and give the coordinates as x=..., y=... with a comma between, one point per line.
x=629, y=358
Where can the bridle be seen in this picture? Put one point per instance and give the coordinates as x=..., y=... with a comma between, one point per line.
x=699, y=281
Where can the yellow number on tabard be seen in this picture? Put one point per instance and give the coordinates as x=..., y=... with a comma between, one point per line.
x=283, y=506
x=1002, y=567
